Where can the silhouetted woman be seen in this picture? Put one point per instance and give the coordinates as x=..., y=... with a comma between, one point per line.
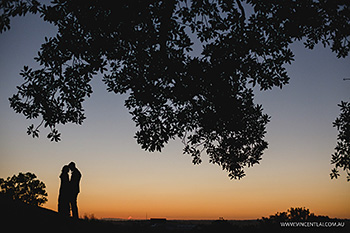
x=64, y=195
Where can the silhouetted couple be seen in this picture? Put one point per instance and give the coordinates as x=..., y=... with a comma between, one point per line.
x=69, y=189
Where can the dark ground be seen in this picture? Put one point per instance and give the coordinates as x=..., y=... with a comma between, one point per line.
x=16, y=216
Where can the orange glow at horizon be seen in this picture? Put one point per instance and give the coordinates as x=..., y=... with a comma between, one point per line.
x=236, y=210
x=209, y=197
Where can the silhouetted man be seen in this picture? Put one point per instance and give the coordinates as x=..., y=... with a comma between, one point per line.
x=75, y=189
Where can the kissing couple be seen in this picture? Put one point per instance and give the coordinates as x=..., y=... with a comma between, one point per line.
x=69, y=189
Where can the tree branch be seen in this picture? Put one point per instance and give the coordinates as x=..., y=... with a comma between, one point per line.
x=241, y=9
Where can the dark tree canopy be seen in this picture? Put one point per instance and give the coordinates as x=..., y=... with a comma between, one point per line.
x=24, y=187
x=341, y=156
x=143, y=49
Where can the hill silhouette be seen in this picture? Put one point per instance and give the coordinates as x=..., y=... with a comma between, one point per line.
x=17, y=216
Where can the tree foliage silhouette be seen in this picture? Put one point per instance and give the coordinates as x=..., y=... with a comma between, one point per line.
x=294, y=215
x=143, y=48
x=341, y=156
x=24, y=187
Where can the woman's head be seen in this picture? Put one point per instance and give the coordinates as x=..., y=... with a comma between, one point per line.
x=65, y=169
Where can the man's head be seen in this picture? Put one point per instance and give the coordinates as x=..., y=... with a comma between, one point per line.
x=71, y=166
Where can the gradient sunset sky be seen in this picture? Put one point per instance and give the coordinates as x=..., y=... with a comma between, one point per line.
x=120, y=180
